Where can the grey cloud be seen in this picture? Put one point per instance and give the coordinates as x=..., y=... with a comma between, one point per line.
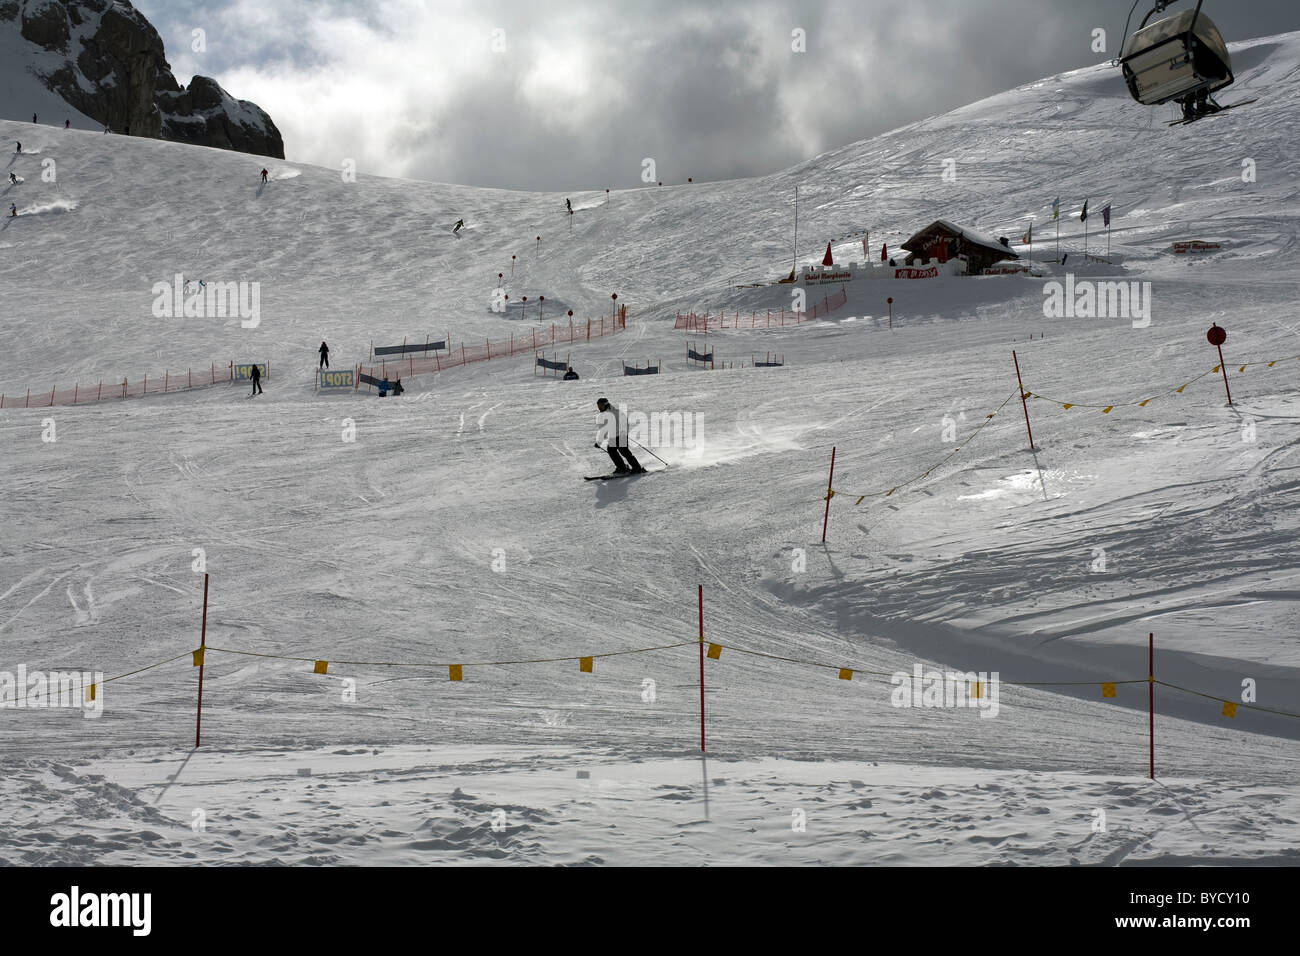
x=710, y=90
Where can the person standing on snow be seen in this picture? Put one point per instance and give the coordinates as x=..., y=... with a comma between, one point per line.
x=20, y=145
x=568, y=205
x=264, y=174
x=67, y=124
x=13, y=210
x=884, y=252
x=570, y=375
x=613, y=431
x=324, y=355
x=459, y=223
x=256, y=376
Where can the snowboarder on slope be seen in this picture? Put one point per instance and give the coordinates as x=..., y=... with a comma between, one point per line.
x=264, y=174
x=459, y=224
x=256, y=376
x=570, y=375
x=613, y=431
x=324, y=355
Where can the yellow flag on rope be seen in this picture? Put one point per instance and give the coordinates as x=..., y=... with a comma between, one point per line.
x=198, y=657
x=1229, y=709
x=846, y=673
x=584, y=665
x=90, y=692
x=321, y=667
x=454, y=672
x=715, y=651
x=1107, y=690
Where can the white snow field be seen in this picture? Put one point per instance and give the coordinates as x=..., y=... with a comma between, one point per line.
x=456, y=528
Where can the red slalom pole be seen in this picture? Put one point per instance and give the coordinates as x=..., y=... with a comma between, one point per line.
x=203, y=643
x=830, y=483
x=1023, y=403
x=1151, y=698
x=701, y=668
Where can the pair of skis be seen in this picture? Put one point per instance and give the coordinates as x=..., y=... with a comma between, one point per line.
x=620, y=474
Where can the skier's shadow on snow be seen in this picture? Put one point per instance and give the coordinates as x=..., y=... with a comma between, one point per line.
x=261, y=187
x=611, y=492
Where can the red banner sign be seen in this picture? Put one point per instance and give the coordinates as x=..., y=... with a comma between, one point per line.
x=930, y=273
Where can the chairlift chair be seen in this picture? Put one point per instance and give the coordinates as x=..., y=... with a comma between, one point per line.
x=1181, y=58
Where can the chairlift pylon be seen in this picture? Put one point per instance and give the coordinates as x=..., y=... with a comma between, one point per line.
x=1181, y=58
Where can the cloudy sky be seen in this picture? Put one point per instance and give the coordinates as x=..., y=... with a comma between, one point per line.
x=568, y=94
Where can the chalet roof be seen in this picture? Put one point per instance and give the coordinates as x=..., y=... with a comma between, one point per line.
x=918, y=241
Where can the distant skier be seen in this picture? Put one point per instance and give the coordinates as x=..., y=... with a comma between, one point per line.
x=256, y=376
x=13, y=180
x=13, y=210
x=884, y=252
x=33, y=118
x=570, y=375
x=324, y=355
x=613, y=431
x=264, y=175
x=20, y=145
x=568, y=205
x=459, y=224
x=67, y=124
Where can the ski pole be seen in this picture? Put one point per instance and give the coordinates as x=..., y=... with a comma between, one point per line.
x=643, y=448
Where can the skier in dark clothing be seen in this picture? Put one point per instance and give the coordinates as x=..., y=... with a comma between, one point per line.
x=67, y=124
x=570, y=375
x=613, y=430
x=13, y=210
x=264, y=175
x=324, y=355
x=568, y=205
x=459, y=225
x=256, y=376
x=397, y=387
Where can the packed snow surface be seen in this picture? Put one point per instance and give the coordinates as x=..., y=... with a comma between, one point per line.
x=451, y=525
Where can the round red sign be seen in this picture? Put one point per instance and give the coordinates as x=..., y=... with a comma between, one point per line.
x=1217, y=335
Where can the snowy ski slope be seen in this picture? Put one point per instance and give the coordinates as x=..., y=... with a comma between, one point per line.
x=383, y=549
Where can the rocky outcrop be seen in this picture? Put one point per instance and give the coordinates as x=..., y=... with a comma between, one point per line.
x=206, y=115
x=114, y=70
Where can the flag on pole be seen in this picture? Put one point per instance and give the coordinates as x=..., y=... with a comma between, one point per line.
x=1105, y=214
x=1056, y=208
x=1029, y=234
x=1083, y=216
